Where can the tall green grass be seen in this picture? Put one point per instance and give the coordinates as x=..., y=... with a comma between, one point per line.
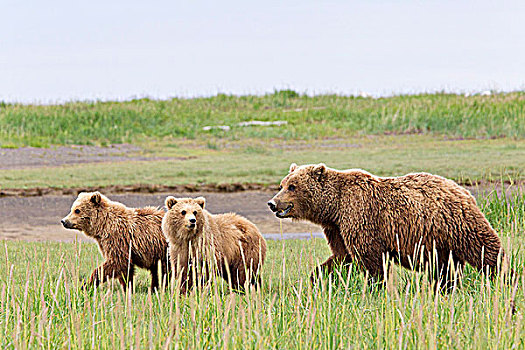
x=505, y=210
x=499, y=115
x=42, y=305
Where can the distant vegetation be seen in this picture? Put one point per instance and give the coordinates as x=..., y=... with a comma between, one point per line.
x=101, y=123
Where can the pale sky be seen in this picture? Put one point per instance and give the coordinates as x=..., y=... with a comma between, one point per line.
x=57, y=50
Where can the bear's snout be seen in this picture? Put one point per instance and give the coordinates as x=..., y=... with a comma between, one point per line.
x=281, y=209
x=192, y=222
x=66, y=223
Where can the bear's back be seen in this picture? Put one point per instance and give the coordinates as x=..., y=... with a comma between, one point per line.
x=427, y=188
x=229, y=225
x=148, y=241
x=231, y=229
x=425, y=208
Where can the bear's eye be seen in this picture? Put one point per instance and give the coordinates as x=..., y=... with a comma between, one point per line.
x=291, y=188
x=77, y=211
x=183, y=212
x=195, y=213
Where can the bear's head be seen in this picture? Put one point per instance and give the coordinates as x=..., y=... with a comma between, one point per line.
x=184, y=219
x=300, y=192
x=85, y=211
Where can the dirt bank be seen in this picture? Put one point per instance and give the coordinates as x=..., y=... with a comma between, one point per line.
x=38, y=218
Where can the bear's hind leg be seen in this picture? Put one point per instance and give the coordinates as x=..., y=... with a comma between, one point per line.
x=237, y=278
x=447, y=271
x=154, y=269
x=165, y=271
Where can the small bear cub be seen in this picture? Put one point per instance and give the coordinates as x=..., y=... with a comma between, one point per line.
x=201, y=243
x=127, y=237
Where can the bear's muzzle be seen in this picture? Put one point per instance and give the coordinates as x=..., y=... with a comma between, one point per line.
x=284, y=212
x=280, y=209
x=66, y=224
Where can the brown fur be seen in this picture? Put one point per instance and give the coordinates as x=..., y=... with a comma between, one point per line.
x=412, y=219
x=228, y=242
x=119, y=232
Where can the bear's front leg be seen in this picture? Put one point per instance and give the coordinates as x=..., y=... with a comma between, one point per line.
x=186, y=279
x=368, y=250
x=328, y=266
x=339, y=256
x=112, y=270
x=181, y=270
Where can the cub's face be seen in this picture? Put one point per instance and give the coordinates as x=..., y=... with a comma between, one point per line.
x=86, y=207
x=298, y=192
x=184, y=218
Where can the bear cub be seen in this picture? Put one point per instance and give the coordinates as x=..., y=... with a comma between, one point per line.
x=201, y=244
x=127, y=237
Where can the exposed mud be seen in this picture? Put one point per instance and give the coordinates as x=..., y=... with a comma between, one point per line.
x=32, y=157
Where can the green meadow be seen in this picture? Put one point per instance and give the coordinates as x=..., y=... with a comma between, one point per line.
x=469, y=139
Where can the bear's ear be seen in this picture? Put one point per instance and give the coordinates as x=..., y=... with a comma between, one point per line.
x=201, y=201
x=170, y=202
x=293, y=166
x=319, y=170
x=96, y=198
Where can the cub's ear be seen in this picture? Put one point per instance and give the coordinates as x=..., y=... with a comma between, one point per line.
x=96, y=198
x=319, y=170
x=293, y=166
x=201, y=201
x=170, y=202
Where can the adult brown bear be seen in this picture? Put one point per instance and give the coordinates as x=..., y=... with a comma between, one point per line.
x=367, y=218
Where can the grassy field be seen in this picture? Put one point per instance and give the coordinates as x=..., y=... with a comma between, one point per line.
x=251, y=161
x=41, y=303
x=319, y=117
x=464, y=138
